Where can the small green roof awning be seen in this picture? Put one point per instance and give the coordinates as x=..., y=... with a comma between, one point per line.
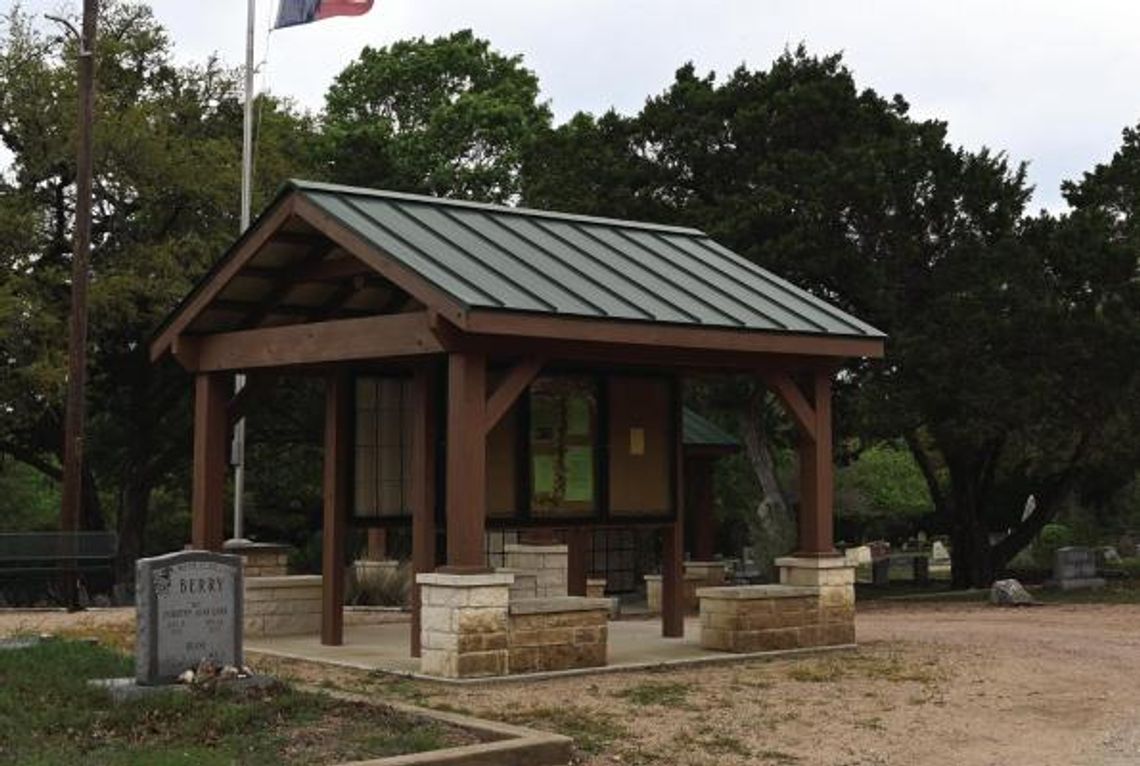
x=702, y=432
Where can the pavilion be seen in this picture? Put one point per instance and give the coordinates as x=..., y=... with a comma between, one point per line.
x=493, y=366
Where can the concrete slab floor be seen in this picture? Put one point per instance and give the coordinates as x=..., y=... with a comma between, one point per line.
x=632, y=643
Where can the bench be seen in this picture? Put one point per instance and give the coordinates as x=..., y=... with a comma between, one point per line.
x=31, y=563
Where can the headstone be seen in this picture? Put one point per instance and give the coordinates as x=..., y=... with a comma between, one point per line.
x=938, y=553
x=858, y=555
x=1075, y=567
x=1010, y=593
x=189, y=610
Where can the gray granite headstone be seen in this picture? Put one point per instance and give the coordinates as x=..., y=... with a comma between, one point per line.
x=189, y=610
x=1075, y=567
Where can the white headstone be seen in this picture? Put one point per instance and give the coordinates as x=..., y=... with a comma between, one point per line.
x=189, y=610
x=938, y=553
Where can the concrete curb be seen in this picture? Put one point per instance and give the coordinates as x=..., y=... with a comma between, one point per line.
x=506, y=745
x=630, y=667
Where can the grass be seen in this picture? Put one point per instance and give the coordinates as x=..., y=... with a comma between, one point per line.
x=50, y=715
x=890, y=668
x=664, y=693
x=591, y=732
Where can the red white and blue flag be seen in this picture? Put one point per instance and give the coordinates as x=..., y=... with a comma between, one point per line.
x=293, y=12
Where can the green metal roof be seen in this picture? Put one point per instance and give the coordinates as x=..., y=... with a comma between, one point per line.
x=489, y=257
x=699, y=431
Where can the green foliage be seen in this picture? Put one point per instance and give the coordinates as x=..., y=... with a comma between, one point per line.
x=1049, y=539
x=28, y=500
x=884, y=481
x=50, y=715
x=450, y=116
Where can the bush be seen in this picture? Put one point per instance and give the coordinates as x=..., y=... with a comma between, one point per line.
x=382, y=587
x=1049, y=539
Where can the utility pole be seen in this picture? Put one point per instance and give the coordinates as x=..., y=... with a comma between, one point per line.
x=74, y=421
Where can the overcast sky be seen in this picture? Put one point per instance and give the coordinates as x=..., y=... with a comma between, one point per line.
x=1049, y=82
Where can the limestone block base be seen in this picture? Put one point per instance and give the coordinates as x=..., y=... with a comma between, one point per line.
x=558, y=634
x=711, y=574
x=471, y=627
x=548, y=562
x=525, y=584
x=463, y=624
x=595, y=587
x=260, y=559
x=760, y=618
x=689, y=585
x=282, y=606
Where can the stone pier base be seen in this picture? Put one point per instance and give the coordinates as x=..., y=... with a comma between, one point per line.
x=814, y=606
x=471, y=626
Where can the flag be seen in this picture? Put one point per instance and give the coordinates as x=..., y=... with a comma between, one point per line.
x=293, y=12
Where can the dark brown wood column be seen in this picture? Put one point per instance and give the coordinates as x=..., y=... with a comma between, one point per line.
x=577, y=559
x=817, y=488
x=700, y=508
x=338, y=453
x=466, y=461
x=211, y=394
x=377, y=544
x=423, y=487
x=673, y=539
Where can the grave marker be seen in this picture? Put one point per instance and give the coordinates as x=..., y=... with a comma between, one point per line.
x=189, y=610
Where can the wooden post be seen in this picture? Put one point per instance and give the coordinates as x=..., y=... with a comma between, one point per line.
x=377, y=544
x=673, y=542
x=338, y=453
x=423, y=487
x=577, y=559
x=699, y=485
x=211, y=393
x=466, y=462
x=816, y=522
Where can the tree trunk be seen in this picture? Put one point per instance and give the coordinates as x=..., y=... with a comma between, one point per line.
x=776, y=522
x=92, y=510
x=134, y=506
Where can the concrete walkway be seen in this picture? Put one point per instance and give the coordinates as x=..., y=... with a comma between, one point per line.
x=632, y=644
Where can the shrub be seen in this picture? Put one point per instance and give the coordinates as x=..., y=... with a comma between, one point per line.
x=1049, y=539
x=382, y=587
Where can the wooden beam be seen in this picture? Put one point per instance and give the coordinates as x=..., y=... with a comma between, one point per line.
x=328, y=270
x=286, y=281
x=423, y=486
x=796, y=404
x=247, y=247
x=549, y=327
x=466, y=462
x=340, y=340
x=337, y=457
x=508, y=391
x=211, y=392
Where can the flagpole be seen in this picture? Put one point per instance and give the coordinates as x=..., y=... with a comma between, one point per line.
x=246, y=204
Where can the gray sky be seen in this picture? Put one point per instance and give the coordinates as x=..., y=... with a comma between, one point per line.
x=1049, y=82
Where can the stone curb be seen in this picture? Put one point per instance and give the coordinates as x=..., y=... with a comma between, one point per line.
x=507, y=745
x=630, y=667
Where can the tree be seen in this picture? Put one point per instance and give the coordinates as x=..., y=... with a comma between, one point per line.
x=841, y=191
x=166, y=197
x=450, y=116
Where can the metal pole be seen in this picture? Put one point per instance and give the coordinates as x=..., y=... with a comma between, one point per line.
x=74, y=418
x=246, y=204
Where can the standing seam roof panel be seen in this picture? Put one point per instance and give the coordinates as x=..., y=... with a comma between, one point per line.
x=818, y=304
x=372, y=230
x=797, y=316
x=740, y=310
x=637, y=278
x=637, y=303
x=559, y=297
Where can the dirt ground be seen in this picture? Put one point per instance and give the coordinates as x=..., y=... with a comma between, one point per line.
x=930, y=684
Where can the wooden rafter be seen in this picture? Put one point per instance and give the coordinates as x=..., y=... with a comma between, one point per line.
x=509, y=390
x=286, y=281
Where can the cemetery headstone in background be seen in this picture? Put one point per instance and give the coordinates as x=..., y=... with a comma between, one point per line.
x=1075, y=567
x=189, y=610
